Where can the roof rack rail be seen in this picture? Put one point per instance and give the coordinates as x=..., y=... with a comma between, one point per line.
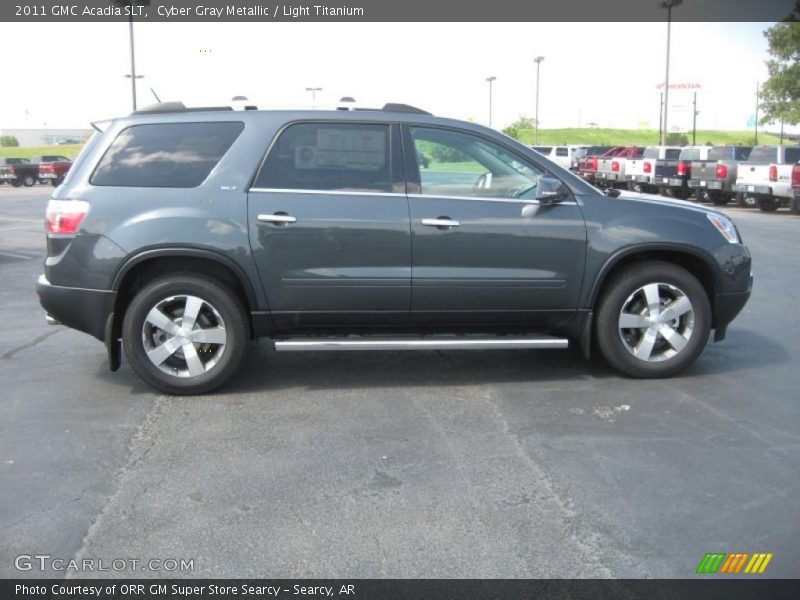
x=176, y=107
x=404, y=108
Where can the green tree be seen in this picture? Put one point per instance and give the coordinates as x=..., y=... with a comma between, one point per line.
x=780, y=94
x=514, y=130
x=8, y=141
x=676, y=139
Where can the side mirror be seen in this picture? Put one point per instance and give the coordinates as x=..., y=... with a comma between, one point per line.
x=550, y=191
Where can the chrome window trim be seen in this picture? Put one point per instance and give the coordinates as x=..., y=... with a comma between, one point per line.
x=401, y=195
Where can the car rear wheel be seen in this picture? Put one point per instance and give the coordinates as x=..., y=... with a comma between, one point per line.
x=653, y=320
x=768, y=204
x=718, y=198
x=29, y=180
x=184, y=334
x=679, y=193
x=16, y=183
x=795, y=206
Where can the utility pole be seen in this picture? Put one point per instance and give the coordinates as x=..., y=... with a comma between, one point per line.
x=490, y=80
x=668, y=4
x=755, y=125
x=133, y=63
x=694, y=120
x=314, y=91
x=661, y=119
x=538, y=60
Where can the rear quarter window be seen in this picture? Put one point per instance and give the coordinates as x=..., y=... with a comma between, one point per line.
x=171, y=155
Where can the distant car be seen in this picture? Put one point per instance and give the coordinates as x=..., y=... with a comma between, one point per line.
x=48, y=174
x=766, y=176
x=716, y=176
x=561, y=155
x=68, y=142
x=672, y=174
x=424, y=161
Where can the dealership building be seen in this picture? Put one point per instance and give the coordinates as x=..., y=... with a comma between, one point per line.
x=47, y=137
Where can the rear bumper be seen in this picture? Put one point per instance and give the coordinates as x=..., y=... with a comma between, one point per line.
x=753, y=189
x=709, y=184
x=79, y=308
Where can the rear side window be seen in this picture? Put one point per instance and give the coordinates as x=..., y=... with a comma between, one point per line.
x=690, y=154
x=672, y=153
x=171, y=155
x=762, y=154
x=329, y=157
x=562, y=152
x=792, y=155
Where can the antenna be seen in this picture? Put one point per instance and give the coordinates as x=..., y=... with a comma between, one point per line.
x=152, y=91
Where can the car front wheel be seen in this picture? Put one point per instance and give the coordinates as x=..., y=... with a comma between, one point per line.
x=184, y=334
x=653, y=320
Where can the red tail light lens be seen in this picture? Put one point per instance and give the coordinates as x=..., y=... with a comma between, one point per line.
x=648, y=167
x=796, y=175
x=615, y=166
x=12, y=169
x=773, y=173
x=65, y=216
x=595, y=162
x=681, y=169
x=722, y=171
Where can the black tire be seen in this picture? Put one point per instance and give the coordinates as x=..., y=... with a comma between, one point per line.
x=679, y=193
x=16, y=183
x=29, y=181
x=215, y=295
x=795, y=206
x=718, y=198
x=617, y=294
x=768, y=204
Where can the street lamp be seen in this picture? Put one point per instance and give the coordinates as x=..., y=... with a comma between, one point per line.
x=490, y=80
x=667, y=4
x=538, y=60
x=314, y=91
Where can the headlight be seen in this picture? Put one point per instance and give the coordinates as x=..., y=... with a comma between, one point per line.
x=725, y=226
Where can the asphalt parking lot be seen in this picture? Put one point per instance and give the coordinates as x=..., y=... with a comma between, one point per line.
x=428, y=464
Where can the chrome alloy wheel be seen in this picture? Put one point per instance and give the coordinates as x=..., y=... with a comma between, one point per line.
x=184, y=336
x=656, y=322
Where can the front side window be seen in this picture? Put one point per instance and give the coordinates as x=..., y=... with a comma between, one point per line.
x=562, y=152
x=467, y=165
x=329, y=157
x=171, y=155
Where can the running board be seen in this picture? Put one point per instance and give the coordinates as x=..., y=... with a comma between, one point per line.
x=420, y=343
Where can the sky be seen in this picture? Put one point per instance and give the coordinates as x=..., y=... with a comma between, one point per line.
x=603, y=73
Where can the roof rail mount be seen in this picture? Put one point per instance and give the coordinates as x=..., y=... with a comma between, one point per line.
x=404, y=108
x=176, y=107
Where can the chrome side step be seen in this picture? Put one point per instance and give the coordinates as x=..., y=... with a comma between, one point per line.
x=431, y=342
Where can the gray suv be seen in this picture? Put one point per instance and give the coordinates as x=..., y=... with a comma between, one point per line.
x=183, y=234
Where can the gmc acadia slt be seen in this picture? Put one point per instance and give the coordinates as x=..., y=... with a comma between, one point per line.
x=182, y=234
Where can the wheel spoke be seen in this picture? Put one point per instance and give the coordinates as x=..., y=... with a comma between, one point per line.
x=653, y=299
x=213, y=335
x=193, y=362
x=190, y=311
x=675, y=339
x=633, y=321
x=644, y=348
x=158, y=319
x=676, y=309
x=161, y=353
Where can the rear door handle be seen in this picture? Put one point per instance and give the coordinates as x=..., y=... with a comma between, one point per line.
x=440, y=222
x=278, y=218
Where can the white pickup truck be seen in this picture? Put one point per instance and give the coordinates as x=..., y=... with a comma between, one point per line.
x=765, y=178
x=639, y=172
x=561, y=155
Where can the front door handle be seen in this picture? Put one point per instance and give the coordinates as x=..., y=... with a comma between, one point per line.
x=277, y=218
x=440, y=222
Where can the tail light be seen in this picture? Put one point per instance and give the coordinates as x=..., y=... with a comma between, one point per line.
x=796, y=175
x=648, y=167
x=722, y=171
x=681, y=169
x=595, y=163
x=773, y=173
x=615, y=166
x=65, y=216
x=12, y=169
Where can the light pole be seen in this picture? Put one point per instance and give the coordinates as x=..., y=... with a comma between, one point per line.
x=133, y=77
x=490, y=80
x=694, y=119
x=314, y=91
x=755, y=125
x=538, y=60
x=668, y=4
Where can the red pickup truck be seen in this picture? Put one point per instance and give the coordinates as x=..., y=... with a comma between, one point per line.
x=587, y=166
x=53, y=169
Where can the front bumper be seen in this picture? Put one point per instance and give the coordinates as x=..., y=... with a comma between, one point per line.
x=79, y=308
